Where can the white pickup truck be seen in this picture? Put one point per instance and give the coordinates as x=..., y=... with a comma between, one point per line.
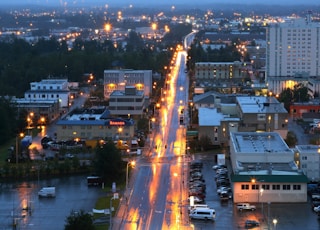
x=245, y=206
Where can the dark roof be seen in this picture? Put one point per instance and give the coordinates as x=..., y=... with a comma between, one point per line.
x=298, y=178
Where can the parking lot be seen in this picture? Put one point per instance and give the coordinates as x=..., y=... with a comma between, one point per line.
x=280, y=216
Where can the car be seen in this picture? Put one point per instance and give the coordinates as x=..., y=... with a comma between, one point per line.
x=215, y=167
x=196, y=199
x=196, y=164
x=69, y=155
x=195, y=174
x=245, y=206
x=224, y=195
x=223, y=170
x=223, y=189
x=251, y=223
x=316, y=209
x=315, y=204
x=203, y=214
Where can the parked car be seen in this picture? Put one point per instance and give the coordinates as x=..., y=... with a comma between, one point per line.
x=245, y=206
x=316, y=209
x=196, y=199
x=315, y=196
x=203, y=214
x=215, y=167
x=251, y=223
x=224, y=196
x=223, y=189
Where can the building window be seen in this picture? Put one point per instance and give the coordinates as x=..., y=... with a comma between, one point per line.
x=286, y=187
x=266, y=187
x=304, y=157
x=296, y=187
x=244, y=187
x=275, y=187
x=255, y=187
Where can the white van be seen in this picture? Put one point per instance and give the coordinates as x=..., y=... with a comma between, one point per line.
x=203, y=214
x=198, y=206
x=47, y=192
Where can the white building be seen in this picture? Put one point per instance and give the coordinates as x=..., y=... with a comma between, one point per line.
x=264, y=169
x=309, y=161
x=49, y=89
x=119, y=79
x=293, y=51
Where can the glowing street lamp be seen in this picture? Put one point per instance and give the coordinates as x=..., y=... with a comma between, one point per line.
x=132, y=163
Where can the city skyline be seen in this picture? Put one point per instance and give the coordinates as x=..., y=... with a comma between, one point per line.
x=148, y=3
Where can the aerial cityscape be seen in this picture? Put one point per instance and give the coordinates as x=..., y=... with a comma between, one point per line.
x=165, y=115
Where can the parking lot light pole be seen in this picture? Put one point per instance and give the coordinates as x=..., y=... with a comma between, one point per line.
x=261, y=192
x=275, y=221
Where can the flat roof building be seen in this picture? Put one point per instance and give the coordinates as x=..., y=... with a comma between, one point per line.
x=264, y=161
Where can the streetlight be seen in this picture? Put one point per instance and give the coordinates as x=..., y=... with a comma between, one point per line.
x=150, y=123
x=275, y=221
x=18, y=137
x=132, y=163
x=191, y=108
x=261, y=192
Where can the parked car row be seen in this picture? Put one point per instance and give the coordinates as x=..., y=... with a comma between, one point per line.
x=197, y=190
x=197, y=185
x=222, y=181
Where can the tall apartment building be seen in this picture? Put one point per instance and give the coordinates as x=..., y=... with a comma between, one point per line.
x=120, y=79
x=293, y=53
x=217, y=71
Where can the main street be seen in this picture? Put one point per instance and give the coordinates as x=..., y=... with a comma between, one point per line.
x=157, y=199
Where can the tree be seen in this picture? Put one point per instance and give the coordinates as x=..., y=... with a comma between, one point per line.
x=108, y=162
x=291, y=139
x=79, y=220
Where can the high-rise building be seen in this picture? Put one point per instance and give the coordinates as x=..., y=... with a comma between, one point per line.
x=293, y=53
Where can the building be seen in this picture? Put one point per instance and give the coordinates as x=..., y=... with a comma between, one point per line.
x=220, y=114
x=298, y=110
x=45, y=111
x=119, y=79
x=262, y=114
x=127, y=102
x=49, y=89
x=292, y=52
x=309, y=161
x=264, y=169
x=215, y=71
x=94, y=124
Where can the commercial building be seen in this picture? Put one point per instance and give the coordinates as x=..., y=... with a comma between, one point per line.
x=119, y=79
x=127, y=102
x=309, y=161
x=44, y=111
x=49, y=89
x=220, y=114
x=94, y=124
x=264, y=169
x=292, y=53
